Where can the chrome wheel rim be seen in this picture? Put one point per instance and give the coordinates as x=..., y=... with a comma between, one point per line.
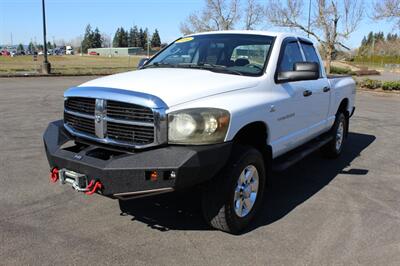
x=246, y=191
x=339, y=135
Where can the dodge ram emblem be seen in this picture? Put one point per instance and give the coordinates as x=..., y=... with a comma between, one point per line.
x=98, y=118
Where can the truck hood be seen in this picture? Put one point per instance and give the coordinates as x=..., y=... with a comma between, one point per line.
x=173, y=85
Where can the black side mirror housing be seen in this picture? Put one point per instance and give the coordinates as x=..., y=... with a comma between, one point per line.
x=301, y=71
x=142, y=62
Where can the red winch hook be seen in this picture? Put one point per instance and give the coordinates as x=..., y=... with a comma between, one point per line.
x=54, y=175
x=97, y=185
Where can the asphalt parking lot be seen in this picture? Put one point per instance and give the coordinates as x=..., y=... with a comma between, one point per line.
x=343, y=211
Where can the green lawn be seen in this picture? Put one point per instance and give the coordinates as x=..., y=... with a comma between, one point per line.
x=69, y=64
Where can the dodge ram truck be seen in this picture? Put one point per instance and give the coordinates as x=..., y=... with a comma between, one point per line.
x=221, y=111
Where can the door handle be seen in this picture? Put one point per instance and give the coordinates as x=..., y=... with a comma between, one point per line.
x=307, y=93
x=326, y=89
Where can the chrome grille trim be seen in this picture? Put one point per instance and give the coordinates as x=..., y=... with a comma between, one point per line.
x=78, y=114
x=127, y=122
x=100, y=118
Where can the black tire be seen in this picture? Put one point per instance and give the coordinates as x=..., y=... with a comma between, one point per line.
x=331, y=149
x=218, y=197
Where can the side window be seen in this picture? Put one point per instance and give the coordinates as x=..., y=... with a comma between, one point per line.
x=310, y=53
x=290, y=56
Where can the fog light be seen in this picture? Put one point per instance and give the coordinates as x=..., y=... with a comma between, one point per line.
x=152, y=176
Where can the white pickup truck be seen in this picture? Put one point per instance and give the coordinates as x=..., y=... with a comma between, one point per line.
x=218, y=110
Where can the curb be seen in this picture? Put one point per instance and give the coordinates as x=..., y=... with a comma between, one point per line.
x=51, y=75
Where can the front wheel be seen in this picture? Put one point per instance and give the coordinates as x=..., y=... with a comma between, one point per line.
x=232, y=199
x=339, y=132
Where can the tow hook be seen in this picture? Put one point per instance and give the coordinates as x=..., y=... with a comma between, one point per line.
x=93, y=187
x=54, y=175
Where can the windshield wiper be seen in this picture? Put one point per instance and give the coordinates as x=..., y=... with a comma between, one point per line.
x=211, y=67
x=158, y=64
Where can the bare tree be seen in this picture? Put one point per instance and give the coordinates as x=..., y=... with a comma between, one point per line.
x=217, y=15
x=331, y=22
x=387, y=9
x=254, y=14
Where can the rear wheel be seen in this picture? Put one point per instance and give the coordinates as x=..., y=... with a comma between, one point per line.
x=339, y=132
x=231, y=199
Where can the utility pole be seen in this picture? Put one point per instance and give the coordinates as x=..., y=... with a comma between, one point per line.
x=309, y=19
x=46, y=66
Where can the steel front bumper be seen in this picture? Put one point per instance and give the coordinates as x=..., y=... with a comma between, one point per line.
x=124, y=173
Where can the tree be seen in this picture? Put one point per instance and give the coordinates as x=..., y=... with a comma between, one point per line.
x=87, y=41
x=49, y=45
x=388, y=9
x=254, y=14
x=217, y=15
x=155, y=40
x=143, y=38
x=332, y=22
x=31, y=48
x=91, y=39
x=120, y=38
x=97, y=40
x=20, y=48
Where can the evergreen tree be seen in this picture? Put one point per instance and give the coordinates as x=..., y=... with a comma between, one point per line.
x=120, y=38
x=370, y=38
x=97, y=40
x=49, y=46
x=87, y=41
x=133, y=37
x=115, y=39
x=124, y=38
x=141, y=38
x=364, y=41
x=20, y=48
x=143, y=34
x=31, y=47
x=137, y=37
x=155, y=40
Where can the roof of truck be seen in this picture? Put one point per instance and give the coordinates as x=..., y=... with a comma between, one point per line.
x=257, y=32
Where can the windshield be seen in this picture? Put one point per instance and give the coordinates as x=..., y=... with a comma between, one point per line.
x=237, y=54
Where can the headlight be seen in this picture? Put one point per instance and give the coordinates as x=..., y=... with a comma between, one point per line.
x=198, y=126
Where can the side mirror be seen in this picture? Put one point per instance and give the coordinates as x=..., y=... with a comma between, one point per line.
x=142, y=62
x=301, y=71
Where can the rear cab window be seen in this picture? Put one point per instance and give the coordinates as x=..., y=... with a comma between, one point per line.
x=311, y=55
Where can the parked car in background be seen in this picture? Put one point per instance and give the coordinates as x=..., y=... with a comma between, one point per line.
x=5, y=53
x=58, y=51
x=69, y=50
x=40, y=53
x=93, y=53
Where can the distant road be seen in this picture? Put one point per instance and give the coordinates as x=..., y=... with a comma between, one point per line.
x=385, y=76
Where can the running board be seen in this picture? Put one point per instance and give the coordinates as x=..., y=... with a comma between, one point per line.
x=285, y=161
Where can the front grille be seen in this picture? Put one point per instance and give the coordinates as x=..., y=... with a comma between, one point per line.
x=81, y=105
x=130, y=133
x=127, y=111
x=81, y=124
x=118, y=122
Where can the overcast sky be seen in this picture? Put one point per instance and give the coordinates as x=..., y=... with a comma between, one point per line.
x=67, y=19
